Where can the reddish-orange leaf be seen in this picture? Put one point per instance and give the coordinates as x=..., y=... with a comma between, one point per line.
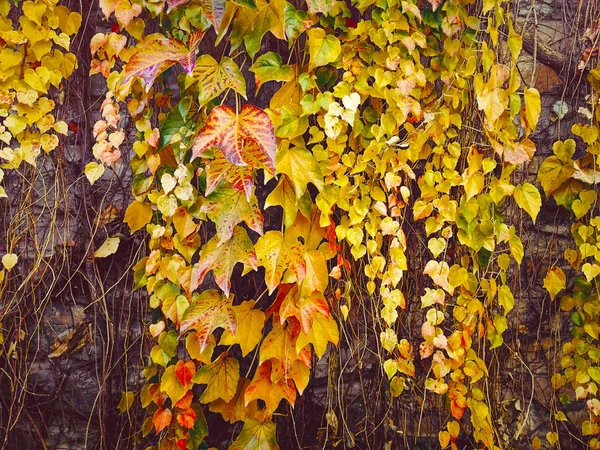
x=296, y=371
x=162, y=418
x=231, y=132
x=208, y=312
x=184, y=372
x=282, y=292
x=186, y=401
x=181, y=444
x=221, y=258
x=262, y=387
x=227, y=207
x=187, y=418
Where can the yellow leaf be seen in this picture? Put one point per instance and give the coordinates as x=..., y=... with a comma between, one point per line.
x=249, y=330
x=138, y=215
x=126, y=401
x=555, y=281
x=93, y=171
x=323, y=48
x=528, y=198
x=108, y=248
x=61, y=127
x=9, y=261
x=533, y=108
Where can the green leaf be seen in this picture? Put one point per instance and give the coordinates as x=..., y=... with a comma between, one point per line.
x=172, y=125
x=256, y=435
x=323, y=48
x=528, y=198
x=293, y=123
x=269, y=67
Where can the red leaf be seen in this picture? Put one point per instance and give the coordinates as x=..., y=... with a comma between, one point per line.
x=185, y=372
x=246, y=138
x=182, y=444
x=162, y=418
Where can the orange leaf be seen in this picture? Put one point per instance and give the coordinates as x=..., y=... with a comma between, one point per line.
x=262, y=387
x=162, y=418
x=233, y=132
x=187, y=418
x=219, y=169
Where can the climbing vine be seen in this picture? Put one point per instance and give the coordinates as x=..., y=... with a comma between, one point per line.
x=366, y=136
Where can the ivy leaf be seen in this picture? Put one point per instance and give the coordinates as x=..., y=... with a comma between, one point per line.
x=271, y=393
x=293, y=123
x=188, y=62
x=170, y=384
x=230, y=132
x=227, y=207
x=213, y=77
x=553, y=173
x=235, y=409
x=207, y=313
x=269, y=67
x=154, y=57
x=301, y=167
x=250, y=322
x=320, y=6
x=278, y=253
x=173, y=124
x=250, y=25
x=109, y=247
x=256, y=435
x=138, y=215
x=214, y=11
x=172, y=4
x=221, y=378
x=219, y=169
x=528, y=198
x=323, y=48
x=521, y=152
x=324, y=330
x=161, y=419
x=283, y=195
x=221, y=258
x=304, y=309
x=533, y=108
x=555, y=281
